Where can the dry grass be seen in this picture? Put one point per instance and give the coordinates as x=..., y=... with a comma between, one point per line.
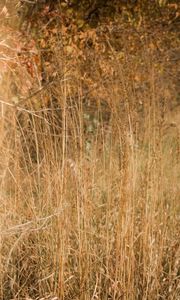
x=89, y=199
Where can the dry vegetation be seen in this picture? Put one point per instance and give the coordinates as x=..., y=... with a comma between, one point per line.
x=89, y=196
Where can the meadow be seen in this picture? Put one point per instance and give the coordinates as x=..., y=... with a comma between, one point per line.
x=89, y=194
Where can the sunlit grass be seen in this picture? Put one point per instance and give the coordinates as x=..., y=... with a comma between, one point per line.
x=89, y=192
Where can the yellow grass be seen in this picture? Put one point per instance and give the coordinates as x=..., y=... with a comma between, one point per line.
x=89, y=203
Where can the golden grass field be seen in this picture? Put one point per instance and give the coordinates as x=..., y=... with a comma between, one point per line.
x=89, y=194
